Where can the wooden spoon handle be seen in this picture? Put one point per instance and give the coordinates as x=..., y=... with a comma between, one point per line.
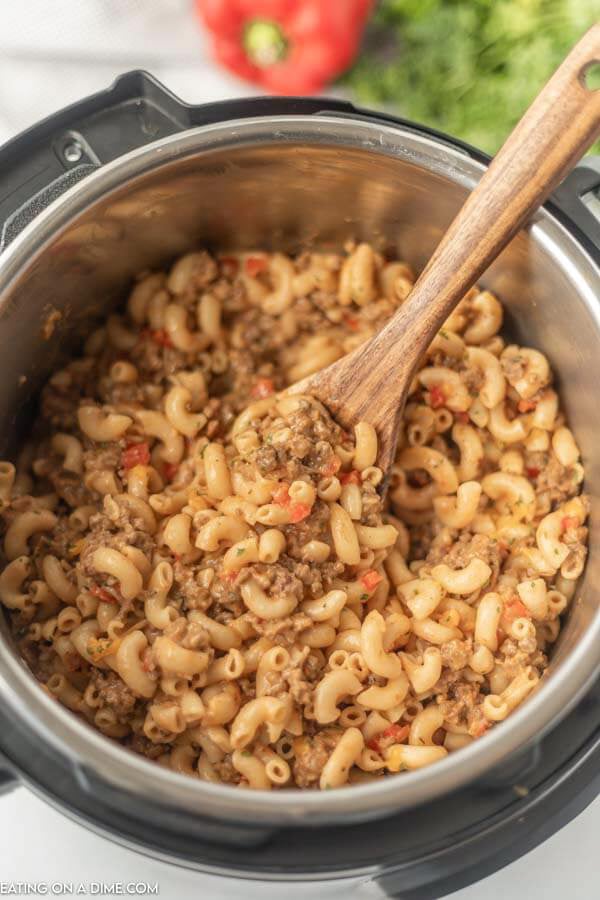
x=371, y=383
x=554, y=133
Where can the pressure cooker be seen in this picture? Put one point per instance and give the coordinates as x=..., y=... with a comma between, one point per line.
x=127, y=180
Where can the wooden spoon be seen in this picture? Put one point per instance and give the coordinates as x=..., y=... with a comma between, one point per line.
x=371, y=383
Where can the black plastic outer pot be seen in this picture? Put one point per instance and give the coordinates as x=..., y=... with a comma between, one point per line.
x=444, y=844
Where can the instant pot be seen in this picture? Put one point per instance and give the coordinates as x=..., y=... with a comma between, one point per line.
x=127, y=180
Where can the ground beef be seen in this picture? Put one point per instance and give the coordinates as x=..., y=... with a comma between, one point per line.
x=514, y=367
x=139, y=743
x=187, y=588
x=40, y=657
x=456, y=654
x=466, y=548
x=70, y=488
x=203, y=272
x=372, y=506
x=300, y=689
x=226, y=772
x=473, y=379
x=459, y=705
x=108, y=457
x=277, y=581
x=557, y=482
x=311, y=754
x=314, y=528
x=514, y=657
x=281, y=631
x=113, y=692
x=190, y=635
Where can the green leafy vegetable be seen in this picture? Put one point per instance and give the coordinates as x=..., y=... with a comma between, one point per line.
x=467, y=67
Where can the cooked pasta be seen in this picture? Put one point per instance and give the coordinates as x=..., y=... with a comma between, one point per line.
x=205, y=570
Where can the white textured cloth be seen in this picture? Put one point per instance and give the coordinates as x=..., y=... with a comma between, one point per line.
x=53, y=52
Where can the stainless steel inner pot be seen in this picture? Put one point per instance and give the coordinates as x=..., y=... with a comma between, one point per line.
x=291, y=182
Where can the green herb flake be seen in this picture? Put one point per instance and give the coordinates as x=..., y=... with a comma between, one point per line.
x=364, y=596
x=240, y=551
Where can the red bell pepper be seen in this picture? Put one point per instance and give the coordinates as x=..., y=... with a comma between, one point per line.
x=262, y=388
x=287, y=46
x=352, y=477
x=516, y=609
x=393, y=734
x=103, y=595
x=281, y=496
x=525, y=406
x=437, y=397
x=370, y=580
x=135, y=455
x=254, y=265
x=298, y=512
x=568, y=522
x=332, y=466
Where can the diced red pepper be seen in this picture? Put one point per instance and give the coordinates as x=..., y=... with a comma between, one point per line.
x=299, y=511
x=103, y=595
x=135, y=455
x=568, y=522
x=352, y=477
x=170, y=470
x=532, y=471
x=229, y=265
x=228, y=577
x=515, y=610
x=254, y=265
x=394, y=734
x=437, y=396
x=463, y=417
x=262, y=388
x=525, y=406
x=281, y=496
x=352, y=322
x=332, y=466
x=397, y=732
x=480, y=729
x=161, y=338
x=370, y=580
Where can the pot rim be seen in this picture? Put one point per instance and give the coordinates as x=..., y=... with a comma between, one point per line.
x=90, y=750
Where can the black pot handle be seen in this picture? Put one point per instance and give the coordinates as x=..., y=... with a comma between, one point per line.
x=8, y=780
x=42, y=162
x=529, y=819
x=578, y=198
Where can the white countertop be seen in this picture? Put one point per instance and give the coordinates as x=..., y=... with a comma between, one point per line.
x=53, y=52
